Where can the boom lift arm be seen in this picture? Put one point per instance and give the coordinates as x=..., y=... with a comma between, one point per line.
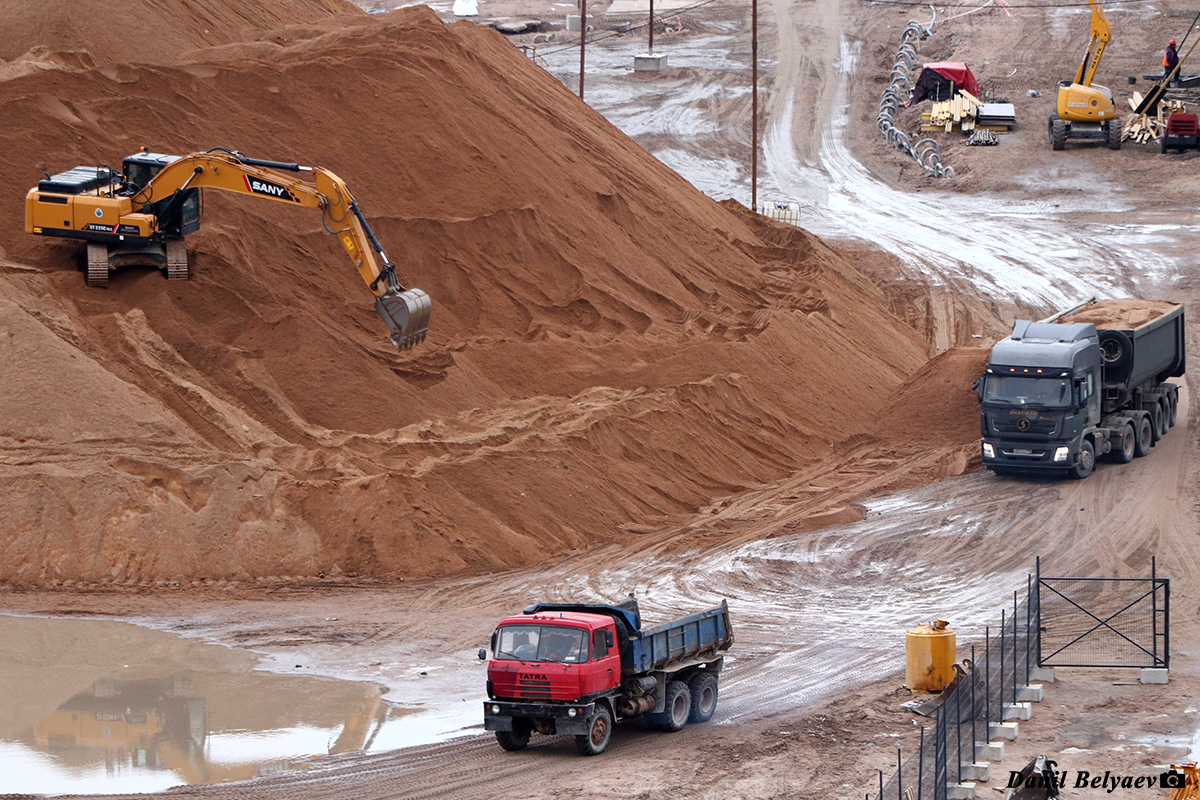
x=1101, y=36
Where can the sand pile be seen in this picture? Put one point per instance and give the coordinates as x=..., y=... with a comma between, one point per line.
x=608, y=348
x=90, y=32
x=1120, y=314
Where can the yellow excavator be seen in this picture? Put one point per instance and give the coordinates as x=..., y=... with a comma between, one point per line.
x=1086, y=111
x=141, y=215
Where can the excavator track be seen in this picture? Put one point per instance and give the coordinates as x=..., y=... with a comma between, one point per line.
x=97, y=265
x=178, y=268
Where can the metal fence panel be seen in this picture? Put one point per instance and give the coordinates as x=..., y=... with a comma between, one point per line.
x=1104, y=622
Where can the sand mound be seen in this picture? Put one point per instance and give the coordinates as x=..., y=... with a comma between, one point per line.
x=1120, y=314
x=88, y=32
x=608, y=348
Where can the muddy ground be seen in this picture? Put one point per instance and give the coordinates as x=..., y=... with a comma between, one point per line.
x=810, y=706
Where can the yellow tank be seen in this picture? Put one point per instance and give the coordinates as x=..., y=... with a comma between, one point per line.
x=930, y=657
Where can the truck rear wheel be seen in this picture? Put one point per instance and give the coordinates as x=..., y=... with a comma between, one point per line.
x=1085, y=462
x=1124, y=453
x=678, y=706
x=599, y=732
x=1158, y=421
x=517, y=738
x=1173, y=414
x=703, y=687
x=1144, y=438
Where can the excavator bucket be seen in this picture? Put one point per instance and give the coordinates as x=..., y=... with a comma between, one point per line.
x=406, y=313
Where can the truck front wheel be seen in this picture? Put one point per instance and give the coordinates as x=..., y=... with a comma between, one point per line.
x=517, y=738
x=599, y=732
x=678, y=707
x=1085, y=462
x=703, y=687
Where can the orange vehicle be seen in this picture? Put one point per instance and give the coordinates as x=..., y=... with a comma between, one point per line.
x=141, y=215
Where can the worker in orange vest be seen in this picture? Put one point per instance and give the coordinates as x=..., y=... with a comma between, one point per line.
x=1170, y=60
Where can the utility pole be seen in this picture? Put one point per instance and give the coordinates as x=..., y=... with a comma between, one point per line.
x=753, y=105
x=582, y=42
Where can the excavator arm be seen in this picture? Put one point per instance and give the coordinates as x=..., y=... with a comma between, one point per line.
x=405, y=311
x=1101, y=36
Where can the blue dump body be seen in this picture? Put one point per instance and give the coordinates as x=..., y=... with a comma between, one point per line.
x=691, y=637
x=698, y=636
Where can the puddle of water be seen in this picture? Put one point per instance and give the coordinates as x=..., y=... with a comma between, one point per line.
x=90, y=706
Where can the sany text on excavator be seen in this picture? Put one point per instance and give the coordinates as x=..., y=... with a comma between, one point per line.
x=1086, y=111
x=142, y=214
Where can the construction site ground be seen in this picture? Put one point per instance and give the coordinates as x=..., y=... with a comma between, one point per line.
x=823, y=566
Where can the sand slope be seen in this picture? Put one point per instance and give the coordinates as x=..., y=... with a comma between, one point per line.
x=608, y=347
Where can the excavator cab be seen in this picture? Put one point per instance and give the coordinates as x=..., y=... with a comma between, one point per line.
x=139, y=169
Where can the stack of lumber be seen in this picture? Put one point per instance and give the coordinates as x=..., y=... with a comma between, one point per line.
x=967, y=112
x=1141, y=128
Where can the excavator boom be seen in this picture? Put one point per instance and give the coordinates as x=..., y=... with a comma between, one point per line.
x=120, y=217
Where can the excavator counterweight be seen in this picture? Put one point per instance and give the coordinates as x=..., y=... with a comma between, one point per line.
x=142, y=214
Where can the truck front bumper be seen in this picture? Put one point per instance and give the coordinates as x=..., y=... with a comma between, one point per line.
x=498, y=715
x=1016, y=455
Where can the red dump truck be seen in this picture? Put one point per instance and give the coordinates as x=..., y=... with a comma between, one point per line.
x=577, y=669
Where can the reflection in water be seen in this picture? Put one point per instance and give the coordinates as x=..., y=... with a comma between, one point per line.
x=158, y=725
x=75, y=718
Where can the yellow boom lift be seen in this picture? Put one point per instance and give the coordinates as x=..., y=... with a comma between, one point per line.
x=1086, y=111
x=142, y=214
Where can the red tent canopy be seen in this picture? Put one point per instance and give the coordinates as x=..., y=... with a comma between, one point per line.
x=958, y=72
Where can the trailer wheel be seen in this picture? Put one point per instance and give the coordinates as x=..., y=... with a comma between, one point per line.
x=1085, y=462
x=517, y=738
x=1158, y=421
x=1145, y=437
x=1173, y=414
x=678, y=707
x=1124, y=453
x=599, y=732
x=703, y=687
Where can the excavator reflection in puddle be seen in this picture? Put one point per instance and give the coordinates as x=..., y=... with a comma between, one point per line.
x=156, y=725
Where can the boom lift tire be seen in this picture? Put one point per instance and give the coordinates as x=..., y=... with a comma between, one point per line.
x=1145, y=437
x=1124, y=453
x=1058, y=133
x=1114, y=134
x=97, y=265
x=678, y=707
x=703, y=687
x=1086, y=462
x=599, y=732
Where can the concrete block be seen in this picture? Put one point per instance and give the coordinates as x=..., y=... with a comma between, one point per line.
x=960, y=791
x=979, y=771
x=1030, y=694
x=1042, y=674
x=649, y=62
x=1004, y=730
x=1152, y=675
x=573, y=22
x=992, y=751
x=1017, y=711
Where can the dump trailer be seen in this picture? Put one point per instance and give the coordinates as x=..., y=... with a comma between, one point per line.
x=577, y=669
x=1087, y=382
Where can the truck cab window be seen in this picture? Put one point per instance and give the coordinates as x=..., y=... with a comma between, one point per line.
x=553, y=643
x=599, y=645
